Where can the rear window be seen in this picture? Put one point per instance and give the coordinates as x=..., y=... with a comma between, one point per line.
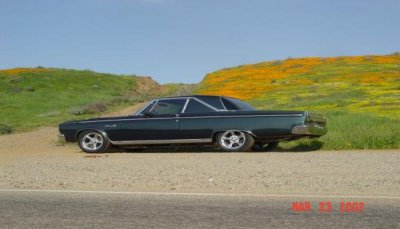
x=236, y=105
x=213, y=101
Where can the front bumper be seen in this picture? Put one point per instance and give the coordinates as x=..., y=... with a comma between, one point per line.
x=61, y=138
x=310, y=130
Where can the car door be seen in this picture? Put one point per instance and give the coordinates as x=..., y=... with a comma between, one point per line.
x=160, y=122
x=196, y=121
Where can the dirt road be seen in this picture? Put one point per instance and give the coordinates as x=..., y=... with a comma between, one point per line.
x=34, y=160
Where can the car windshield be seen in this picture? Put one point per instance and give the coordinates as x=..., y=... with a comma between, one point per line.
x=145, y=108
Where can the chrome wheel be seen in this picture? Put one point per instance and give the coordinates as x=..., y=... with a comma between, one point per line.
x=92, y=141
x=233, y=140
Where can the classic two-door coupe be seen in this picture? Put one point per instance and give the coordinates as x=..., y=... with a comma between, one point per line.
x=228, y=122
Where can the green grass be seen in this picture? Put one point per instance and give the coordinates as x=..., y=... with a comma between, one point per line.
x=35, y=97
x=352, y=131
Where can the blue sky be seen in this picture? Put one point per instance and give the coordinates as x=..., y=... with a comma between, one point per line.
x=182, y=40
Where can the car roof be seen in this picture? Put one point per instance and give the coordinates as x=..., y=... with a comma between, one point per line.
x=194, y=96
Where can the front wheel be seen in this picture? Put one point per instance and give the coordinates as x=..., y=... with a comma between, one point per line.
x=235, y=141
x=93, y=141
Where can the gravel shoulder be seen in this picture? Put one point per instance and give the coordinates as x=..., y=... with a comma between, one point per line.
x=34, y=160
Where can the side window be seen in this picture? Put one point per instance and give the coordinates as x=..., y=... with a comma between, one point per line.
x=168, y=106
x=195, y=106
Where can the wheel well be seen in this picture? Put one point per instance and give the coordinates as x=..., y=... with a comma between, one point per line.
x=82, y=130
x=214, y=136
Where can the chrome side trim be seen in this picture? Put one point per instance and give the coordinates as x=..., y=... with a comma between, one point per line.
x=184, y=106
x=195, y=117
x=154, y=105
x=161, y=142
x=223, y=105
x=245, y=116
x=144, y=108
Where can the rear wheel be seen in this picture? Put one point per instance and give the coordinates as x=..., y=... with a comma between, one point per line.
x=93, y=141
x=235, y=141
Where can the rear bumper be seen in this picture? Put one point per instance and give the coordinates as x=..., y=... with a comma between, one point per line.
x=310, y=130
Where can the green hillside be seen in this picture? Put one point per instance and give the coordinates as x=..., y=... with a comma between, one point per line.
x=360, y=95
x=32, y=97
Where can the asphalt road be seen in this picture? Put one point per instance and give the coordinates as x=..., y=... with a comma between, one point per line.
x=129, y=210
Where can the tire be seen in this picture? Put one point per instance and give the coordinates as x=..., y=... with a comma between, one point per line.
x=235, y=141
x=93, y=141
